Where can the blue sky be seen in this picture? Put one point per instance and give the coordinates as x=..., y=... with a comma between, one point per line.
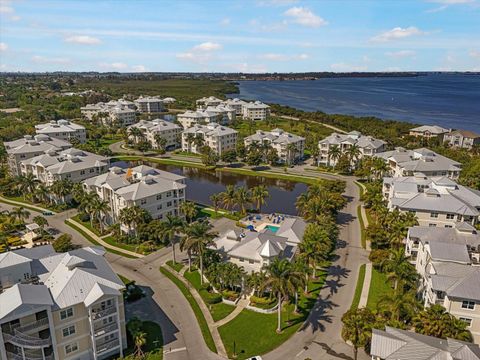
x=240, y=36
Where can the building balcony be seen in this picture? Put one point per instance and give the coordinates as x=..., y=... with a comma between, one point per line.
x=102, y=330
x=28, y=356
x=23, y=340
x=98, y=314
x=107, y=346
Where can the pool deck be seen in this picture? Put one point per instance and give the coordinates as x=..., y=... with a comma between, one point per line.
x=264, y=221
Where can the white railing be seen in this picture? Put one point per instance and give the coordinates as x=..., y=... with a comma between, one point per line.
x=15, y=356
x=102, y=313
x=31, y=326
x=27, y=341
x=105, y=329
x=107, y=346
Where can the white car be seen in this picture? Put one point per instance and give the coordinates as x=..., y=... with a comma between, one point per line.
x=255, y=358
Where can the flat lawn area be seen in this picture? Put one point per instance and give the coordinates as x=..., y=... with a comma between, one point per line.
x=87, y=225
x=94, y=242
x=193, y=278
x=154, y=347
x=207, y=336
x=362, y=226
x=358, y=289
x=177, y=266
x=379, y=286
x=220, y=310
x=255, y=333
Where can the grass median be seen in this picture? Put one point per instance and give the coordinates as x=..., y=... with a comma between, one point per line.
x=207, y=336
x=379, y=287
x=363, y=235
x=359, y=288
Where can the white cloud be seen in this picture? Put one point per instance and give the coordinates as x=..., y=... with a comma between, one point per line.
x=3, y=46
x=401, y=54
x=139, y=68
x=283, y=57
x=305, y=17
x=344, y=67
x=5, y=8
x=475, y=54
x=397, y=33
x=225, y=21
x=50, y=60
x=83, y=39
x=207, y=46
x=114, y=66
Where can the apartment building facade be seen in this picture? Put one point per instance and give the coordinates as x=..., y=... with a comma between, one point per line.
x=289, y=147
x=256, y=110
x=404, y=162
x=63, y=130
x=149, y=104
x=154, y=129
x=429, y=131
x=225, y=114
x=190, y=118
x=205, y=102
x=119, y=113
x=462, y=139
x=367, y=146
x=236, y=104
x=59, y=306
x=72, y=164
x=218, y=137
x=31, y=146
x=159, y=192
x=436, y=202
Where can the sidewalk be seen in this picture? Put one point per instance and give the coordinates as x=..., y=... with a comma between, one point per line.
x=26, y=206
x=242, y=304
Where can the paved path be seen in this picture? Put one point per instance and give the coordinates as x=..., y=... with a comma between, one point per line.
x=242, y=304
x=366, y=286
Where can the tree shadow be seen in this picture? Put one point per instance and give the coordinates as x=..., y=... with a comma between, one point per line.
x=332, y=352
x=147, y=309
x=344, y=218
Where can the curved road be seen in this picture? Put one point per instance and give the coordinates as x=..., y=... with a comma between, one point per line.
x=319, y=337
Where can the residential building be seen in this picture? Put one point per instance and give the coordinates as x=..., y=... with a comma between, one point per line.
x=205, y=102
x=29, y=147
x=218, y=137
x=190, y=118
x=154, y=129
x=462, y=138
x=236, y=104
x=289, y=147
x=367, y=146
x=256, y=110
x=397, y=344
x=253, y=249
x=437, y=201
x=225, y=114
x=56, y=306
x=63, y=130
x=150, y=104
x=118, y=113
x=71, y=164
x=447, y=261
x=159, y=192
x=404, y=162
x=429, y=131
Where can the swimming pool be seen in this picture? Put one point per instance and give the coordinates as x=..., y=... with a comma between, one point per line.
x=272, y=228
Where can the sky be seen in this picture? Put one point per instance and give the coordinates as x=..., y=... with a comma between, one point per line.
x=240, y=36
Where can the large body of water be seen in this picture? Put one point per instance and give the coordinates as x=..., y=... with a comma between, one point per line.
x=448, y=100
x=201, y=184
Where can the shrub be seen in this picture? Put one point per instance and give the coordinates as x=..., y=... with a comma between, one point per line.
x=262, y=300
x=377, y=256
x=210, y=298
x=84, y=217
x=230, y=295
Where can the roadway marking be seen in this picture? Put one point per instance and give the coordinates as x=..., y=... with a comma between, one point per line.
x=174, y=350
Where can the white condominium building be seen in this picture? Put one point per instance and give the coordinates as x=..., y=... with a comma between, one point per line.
x=190, y=118
x=29, y=147
x=437, y=201
x=205, y=102
x=63, y=130
x=236, y=104
x=289, y=147
x=428, y=131
x=367, y=146
x=225, y=114
x=447, y=261
x=150, y=104
x=118, y=113
x=462, y=139
x=166, y=130
x=71, y=164
x=404, y=162
x=159, y=192
x=60, y=306
x=256, y=110
x=218, y=137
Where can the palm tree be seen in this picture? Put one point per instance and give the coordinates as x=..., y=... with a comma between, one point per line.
x=357, y=327
x=41, y=193
x=398, y=305
x=242, y=199
x=160, y=142
x=398, y=268
x=19, y=213
x=189, y=209
x=334, y=154
x=353, y=152
x=315, y=246
x=136, y=133
x=259, y=195
x=229, y=199
x=291, y=152
x=198, y=238
x=199, y=142
x=40, y=221
x=127, y=216
x=216, y=199
x=27, y=184
x=282, y=280
x=140, y=339
x=61, y=188
x=169, y=230
x=101, y=209
x=189, y=139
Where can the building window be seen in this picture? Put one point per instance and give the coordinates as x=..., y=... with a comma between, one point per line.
x=159, y=197
x=65, y=314
x=470, y=305
x=143, y=202
x=70, y=348
x=169, y=203
x=434, y=215
x=467, y=321
x=449, y=226
x=450, y=216
x=432, y=225
x=70, y=330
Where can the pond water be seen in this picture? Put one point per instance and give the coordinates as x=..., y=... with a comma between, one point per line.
x=201, y=184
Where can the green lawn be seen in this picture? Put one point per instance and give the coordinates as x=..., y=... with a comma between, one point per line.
x=87, y=225
x=358, y=289
x=177, y=266
x=130, y=247
x=207, y=336
x=379, y=286
x=154, y=347
x=362, y=227
x=255, y=333
x=94, y=242
x=124, y=279
x=27, y=204
x=193, y=278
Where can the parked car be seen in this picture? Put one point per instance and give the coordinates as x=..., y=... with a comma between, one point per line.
x=256, y=357
x=47, y=213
